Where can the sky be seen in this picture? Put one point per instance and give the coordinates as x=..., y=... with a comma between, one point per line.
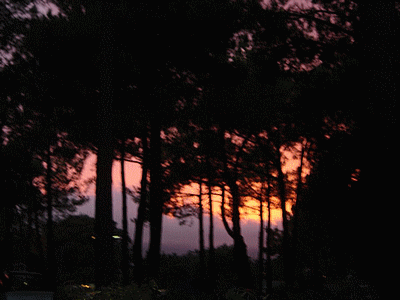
x=176, y=238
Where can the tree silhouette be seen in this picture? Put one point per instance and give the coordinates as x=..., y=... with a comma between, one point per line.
x=105, y=148
x=139, y=222
x=125, y=250
x=268, y=242
x=201, y=236
x=371, y=48
x=51, y=166
x=222, y=106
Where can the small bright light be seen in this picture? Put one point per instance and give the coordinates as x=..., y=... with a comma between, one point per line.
x=116, y=237
x=93, y=237
x=85, y=286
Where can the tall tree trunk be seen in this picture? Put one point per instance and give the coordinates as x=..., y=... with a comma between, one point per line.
x=104, y=249
x=138, y=239
x=51, y=262
x=261, y=245
x=241, y=259
x=125, y=250
x=223, y=215
x=31, y=233
x=103, y=218
x=242, y=264
x=211, y=251
x=156, y=198
x=269, y=236
x=286, y=240
x=201, y=235
x=223, y=157
x=38, y=237
x=297, y=215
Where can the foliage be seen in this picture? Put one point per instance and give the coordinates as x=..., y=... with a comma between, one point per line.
x=74, y=239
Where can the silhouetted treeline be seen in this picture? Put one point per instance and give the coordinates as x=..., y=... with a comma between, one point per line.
x=220, y=94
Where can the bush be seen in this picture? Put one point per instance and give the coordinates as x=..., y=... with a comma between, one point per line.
x=86, y=292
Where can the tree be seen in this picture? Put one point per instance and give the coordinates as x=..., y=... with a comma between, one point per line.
x=372, y=48
x=269, y=237
x=283, y=201
x=195, y=58
x=234, y=82
x=46, y=167
x=95, y=23
x=59, y=41
x=211, y=248
x=379, y=58
x=137, y=246
x=13, y=24
x=261, y=245
x=296, y=208
x=201, y=236
x=125, y=249
x=105, y=150
x=230, y=175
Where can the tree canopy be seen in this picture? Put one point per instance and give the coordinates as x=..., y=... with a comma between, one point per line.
x=216, y=92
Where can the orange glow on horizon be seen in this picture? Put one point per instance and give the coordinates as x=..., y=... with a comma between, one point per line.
x=251, y=212
x=189, y=194
x=248, y=213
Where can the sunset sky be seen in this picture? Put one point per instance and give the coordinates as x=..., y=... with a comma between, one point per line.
x=180, y=238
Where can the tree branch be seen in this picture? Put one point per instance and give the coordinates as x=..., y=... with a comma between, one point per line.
x=294, y=15
x=129, y=160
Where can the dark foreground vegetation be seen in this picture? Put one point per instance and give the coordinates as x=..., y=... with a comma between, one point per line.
x=180, y=280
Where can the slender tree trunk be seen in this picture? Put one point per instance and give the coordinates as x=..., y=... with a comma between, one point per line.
x=38, y=237
x=241, y=259
x=269, y=236
x=242, y=264
x=201, y=235
x=225, y=170
x=211, y=251
x=235, y=208
x=285, y=242
x=223, y=215
x=138, y=239
x=51, y=262
x=105, y=265
x=156, y=198
x=103, y=220
x=296, y=215
x=30, y=221
x=261, y=246
x=125, y=250
x=31, y=232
